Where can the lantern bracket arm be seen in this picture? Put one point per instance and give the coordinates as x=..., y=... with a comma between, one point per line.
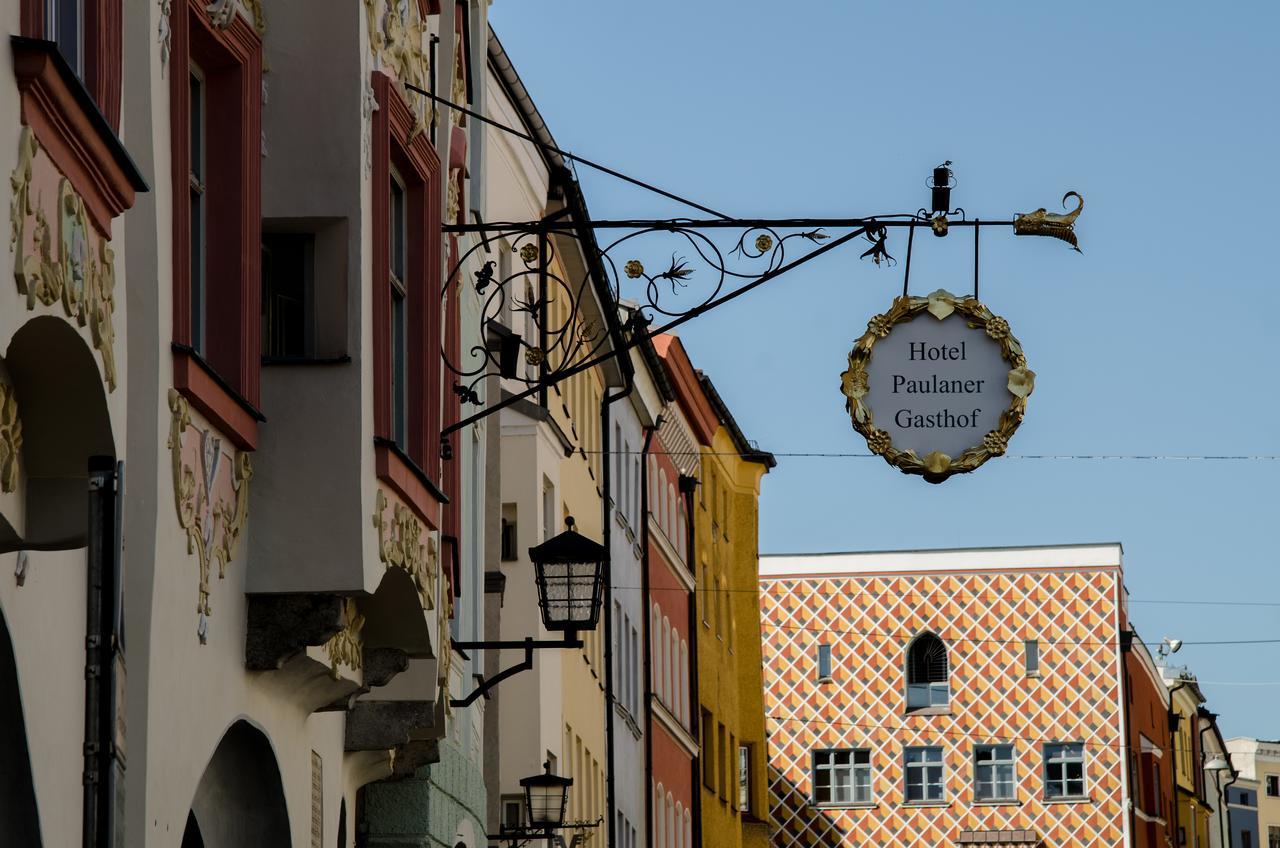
x=527, y=645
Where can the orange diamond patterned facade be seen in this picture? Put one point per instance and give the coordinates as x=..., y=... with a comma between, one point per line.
x=946, y=697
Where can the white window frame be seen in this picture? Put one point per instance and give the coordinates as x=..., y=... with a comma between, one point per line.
x=1061, y=755
x=932, y=771
x=993, y=765
x=826, y=770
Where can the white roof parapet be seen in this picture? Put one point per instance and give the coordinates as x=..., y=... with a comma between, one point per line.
x=1102, y=555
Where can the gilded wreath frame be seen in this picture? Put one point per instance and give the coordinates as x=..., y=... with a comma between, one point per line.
x=936, y=466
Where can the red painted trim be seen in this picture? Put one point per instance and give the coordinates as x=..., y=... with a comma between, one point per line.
x=232, y=61
x=396, y=145
x=71, y=139
x=33, y=18
x=684, y=379
x=222, y=410
x=428, y=7
x=402, y=480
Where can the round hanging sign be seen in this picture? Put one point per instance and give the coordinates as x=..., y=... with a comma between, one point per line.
x=937, y=385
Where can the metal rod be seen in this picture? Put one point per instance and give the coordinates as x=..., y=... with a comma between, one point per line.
x=976, y=230
x=707, y=223
x=542, y=317
x=519, y=644
x=906, y=277
x=551, y=147
x=639, y=337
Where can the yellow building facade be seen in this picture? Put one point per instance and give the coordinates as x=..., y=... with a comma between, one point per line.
x=1194, y=811
x=734, y=810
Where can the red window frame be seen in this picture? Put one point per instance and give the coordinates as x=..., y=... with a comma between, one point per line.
x=223, y=383
x=103, y=23
x=413, y=471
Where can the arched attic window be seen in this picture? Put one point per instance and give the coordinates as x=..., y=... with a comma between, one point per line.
x=927, y=673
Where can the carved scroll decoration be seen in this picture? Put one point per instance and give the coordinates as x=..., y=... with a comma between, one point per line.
x=74, y=265
x=10, y=438
x=346, y=648
x=212, y=506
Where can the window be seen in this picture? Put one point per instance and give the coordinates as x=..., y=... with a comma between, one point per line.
x=1246, y=839
x=512, y=811
x=744, y=778
x=705, y=589
x=993, y=773
x=509, y=552
x=64, y=25
x=824, y=663
x=731, y=772
x=927, y=672
x=195, y=179
x=287, y=268
x=1032, y=657
x=1273, y=836
x=1064, y=770
x=708, y=752
x=1273, y=786
x=842, y=776
x=548, y=509
x=722, y=752
x=215, y=125
x=923, y=774
x=399, y=298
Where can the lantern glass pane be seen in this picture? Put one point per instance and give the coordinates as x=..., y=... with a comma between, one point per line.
x=546, y=805
x=570, y=593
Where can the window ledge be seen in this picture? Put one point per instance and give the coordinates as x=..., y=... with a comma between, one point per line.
x=925, y=804
x=1084, y=800
x=997, y=802
x=928, y=711
x=859, y=805
x=214, y=397
x=409, y=481
x=72, y=130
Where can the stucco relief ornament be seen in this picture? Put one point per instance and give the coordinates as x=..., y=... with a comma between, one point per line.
x=905, y=394
x=10, y=438
x=212, y=506
x=368, y=106
x=400, y=545
x=346, y=648
x=71, y=264
x=165, y=34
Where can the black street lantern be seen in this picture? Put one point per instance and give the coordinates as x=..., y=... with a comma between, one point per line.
x=545, y=797
x=569, y=570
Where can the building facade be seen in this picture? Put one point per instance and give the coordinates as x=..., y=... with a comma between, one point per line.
x=732, y=807
x=1258, y=762
x=230, y=292
x=1193, y=812
x=947, y=698
x=1150, y=746
x=1242, y=814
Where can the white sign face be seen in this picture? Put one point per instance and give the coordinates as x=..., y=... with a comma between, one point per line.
x=937, y=385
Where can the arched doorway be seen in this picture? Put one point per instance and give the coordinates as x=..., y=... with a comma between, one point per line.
x=240, y=800
x=19, y=821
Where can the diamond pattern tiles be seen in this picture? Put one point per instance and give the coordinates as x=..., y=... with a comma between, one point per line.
x=983, y=618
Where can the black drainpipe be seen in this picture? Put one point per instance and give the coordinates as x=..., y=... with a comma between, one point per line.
x=645, y=593
x=1126, y=645
x=687, y=486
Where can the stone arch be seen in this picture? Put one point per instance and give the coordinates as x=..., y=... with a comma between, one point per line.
x=240, y=798
x=19, y=817
x=62, y=407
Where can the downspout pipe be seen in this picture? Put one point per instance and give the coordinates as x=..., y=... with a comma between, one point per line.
x=1222, y=807
x=606, y=506
x=645, y=592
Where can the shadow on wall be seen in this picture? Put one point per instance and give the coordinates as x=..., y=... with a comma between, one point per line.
x=240, y=799
x=798, y=822
x=19, y=822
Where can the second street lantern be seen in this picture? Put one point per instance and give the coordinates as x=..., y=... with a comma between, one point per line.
x=569, y=569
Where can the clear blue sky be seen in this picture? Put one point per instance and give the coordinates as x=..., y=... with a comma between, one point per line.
x=1159, y=338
